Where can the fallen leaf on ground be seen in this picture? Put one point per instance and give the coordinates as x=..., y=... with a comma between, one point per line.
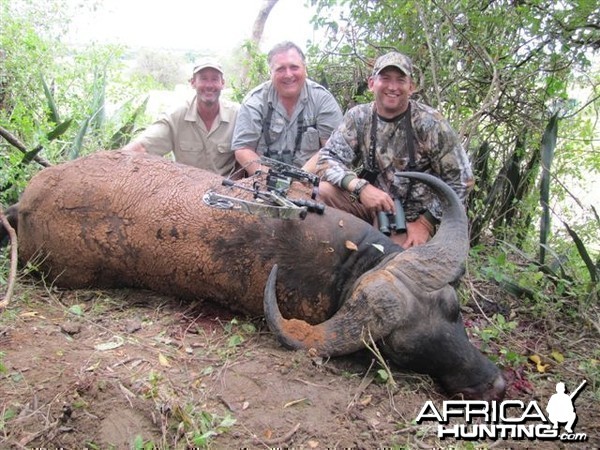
x=76, y=310
x=110, y=345
x=366, y=400
x=294, y=402
x=162, y=359
x=30, y=314
x=558, y=356
x=541, y=368
x=92, y=367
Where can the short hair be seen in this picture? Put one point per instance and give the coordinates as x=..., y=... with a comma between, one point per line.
x=284, y=47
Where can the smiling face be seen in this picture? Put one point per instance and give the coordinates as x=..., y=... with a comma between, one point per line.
x=392, y=89
x=208, y=84
x=288, y=74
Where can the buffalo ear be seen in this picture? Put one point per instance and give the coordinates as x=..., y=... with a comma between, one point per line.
x=448, y=302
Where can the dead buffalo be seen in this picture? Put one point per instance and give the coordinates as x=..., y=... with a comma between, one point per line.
x=116, y=219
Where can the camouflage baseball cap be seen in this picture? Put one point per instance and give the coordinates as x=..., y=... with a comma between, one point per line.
x=394, y=59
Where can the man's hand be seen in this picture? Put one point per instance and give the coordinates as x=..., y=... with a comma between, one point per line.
x=135, y=147
x=376, y=200
x=311, y=164
x=249, y=160
x=418, y=232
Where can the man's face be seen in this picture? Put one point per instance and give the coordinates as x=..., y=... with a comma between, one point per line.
x=288, y=74
x=392, y=89
x=208, y=84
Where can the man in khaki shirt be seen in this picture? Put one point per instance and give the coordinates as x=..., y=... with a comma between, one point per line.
x=199, y=132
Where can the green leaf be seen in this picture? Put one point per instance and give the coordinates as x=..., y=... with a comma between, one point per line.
x=558, y=356
x=383, y=375
x=78, y=142
x=121, y=137
x=124, y=134
x=585, y=256
x=203, y=439
x=234, y=341
x=98, y=99
x=227, y=422
x=54, y=115
x=76, y=310
x=59, y=130
x=138, y=442
x=249, y=328
x=30, y=155
x=8, y=415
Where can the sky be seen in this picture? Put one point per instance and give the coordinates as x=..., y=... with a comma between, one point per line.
x=215, y=25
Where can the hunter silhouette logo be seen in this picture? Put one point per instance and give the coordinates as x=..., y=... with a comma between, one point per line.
x=560, y=407
x=508, y=419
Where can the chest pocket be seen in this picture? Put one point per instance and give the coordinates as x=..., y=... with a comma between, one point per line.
x=274, y=133
x=310, y=140
x=309, y=144
x=190, y=146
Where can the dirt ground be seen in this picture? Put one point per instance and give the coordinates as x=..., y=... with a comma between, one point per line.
x=130, y=369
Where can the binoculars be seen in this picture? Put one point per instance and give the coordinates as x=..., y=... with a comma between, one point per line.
x=389, y=222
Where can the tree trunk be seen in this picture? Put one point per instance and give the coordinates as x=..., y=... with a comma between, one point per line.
x=259, y=23
x=257, y=31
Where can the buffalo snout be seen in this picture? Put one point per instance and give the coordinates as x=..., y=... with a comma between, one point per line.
x=432, y=340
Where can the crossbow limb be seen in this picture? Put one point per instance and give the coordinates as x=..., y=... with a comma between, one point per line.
x=269, y=196
x=278, y=207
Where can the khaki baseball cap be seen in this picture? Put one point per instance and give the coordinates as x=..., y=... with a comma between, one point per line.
x=207, y=64
x=394, y=59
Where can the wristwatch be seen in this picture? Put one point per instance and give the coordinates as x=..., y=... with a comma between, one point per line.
x=359, y=186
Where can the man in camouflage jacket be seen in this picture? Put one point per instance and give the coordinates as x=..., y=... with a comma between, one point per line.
x=360, y=163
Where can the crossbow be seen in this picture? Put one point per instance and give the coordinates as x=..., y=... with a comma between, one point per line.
x=266, y=193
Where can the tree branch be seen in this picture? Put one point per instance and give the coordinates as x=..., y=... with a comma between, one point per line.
x=12, y=140
x=12, y=276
